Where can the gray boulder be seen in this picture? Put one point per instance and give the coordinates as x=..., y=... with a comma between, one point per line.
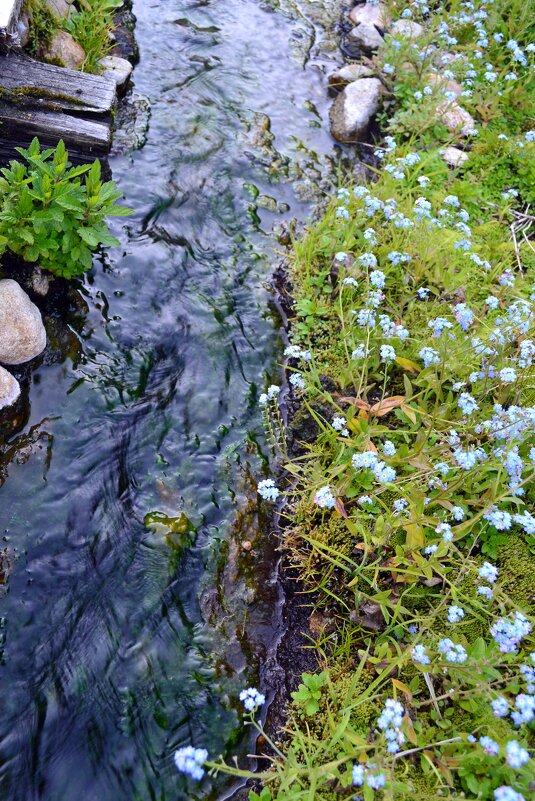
x=407, y=28
x=22, y=333
x=9, y=389
x=353, y=109
x=455, y=118
x=369, y=14
x=454, y=156
x=349, y=73
x=364, y=37
x=65, y=51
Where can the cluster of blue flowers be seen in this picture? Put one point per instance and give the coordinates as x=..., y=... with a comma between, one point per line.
x=389, y=722
x=252, y=699
x=367, y=774
x=324, y=498
x=189, y=760
x=383, y=473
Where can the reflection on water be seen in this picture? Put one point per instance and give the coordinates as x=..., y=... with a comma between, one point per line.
x=120, y=644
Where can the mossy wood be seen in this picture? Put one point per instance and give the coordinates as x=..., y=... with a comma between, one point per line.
x=53, y=103
x=84, y=138
x=24, y=81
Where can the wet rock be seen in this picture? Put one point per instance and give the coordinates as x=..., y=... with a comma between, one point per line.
x=22, y=333
x=407, y=28
x=349, y=73
x=60, y=8
x=125, y=41
x=371, y=15
x=435, y=79
x=116, y=68
x=65, y=51
x=40, y=282
x=9, y=389
x=454, y=156
x=364, y=37
x=455, y=118
x=353, y=109
x=131, y=125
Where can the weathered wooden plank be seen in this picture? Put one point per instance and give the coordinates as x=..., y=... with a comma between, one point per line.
x=84, y=139
x=32, y=84
x=9, y=14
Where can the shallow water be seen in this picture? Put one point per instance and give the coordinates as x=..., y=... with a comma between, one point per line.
x=120, y=642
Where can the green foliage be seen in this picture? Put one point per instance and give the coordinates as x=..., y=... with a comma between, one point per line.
x=53, y=213
x=91, y=26
x=264, y=795
x=308, y=695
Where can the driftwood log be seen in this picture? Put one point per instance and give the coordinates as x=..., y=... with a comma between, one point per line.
x=53, y=103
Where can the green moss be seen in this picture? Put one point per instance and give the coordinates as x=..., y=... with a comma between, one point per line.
x=517, y=576
x=43, y=25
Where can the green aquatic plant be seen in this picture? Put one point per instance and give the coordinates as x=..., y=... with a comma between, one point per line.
x=52, y=213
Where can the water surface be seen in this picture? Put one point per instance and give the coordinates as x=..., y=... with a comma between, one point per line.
x=121, y=643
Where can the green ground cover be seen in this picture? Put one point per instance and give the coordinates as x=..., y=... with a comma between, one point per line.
x=408, y=513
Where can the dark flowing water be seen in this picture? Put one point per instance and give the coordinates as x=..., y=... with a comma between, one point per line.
x=122, y=643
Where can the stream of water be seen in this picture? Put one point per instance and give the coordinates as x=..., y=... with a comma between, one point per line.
x=119, y=641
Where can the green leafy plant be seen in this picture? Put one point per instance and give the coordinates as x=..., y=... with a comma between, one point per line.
x=265, y=795
x=309, y=693
x=91, y=26
x=53, y=213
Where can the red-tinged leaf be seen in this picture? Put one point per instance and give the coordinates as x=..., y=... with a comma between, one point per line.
x=387, y=405
x=360, y=404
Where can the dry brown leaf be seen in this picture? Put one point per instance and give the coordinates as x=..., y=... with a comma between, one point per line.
x=340, y=508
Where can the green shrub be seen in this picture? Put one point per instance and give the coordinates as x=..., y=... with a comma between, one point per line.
x=53, y=213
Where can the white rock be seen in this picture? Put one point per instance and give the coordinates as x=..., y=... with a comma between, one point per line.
x=366, y=37
x=454, y=157
x=353, y=109
x=407, y=28
x=118, y=69
x=455, y=118
x=22, y=333
x=349, y=73
x=369, y=14
x=9, y=389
